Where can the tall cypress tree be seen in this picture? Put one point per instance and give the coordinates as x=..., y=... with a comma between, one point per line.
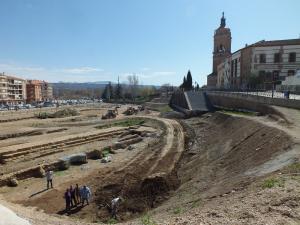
x=189, y=81
x=118, y=90
x=184, y=83
x=108, y=92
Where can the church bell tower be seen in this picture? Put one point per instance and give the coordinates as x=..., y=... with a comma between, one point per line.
x=222, y=44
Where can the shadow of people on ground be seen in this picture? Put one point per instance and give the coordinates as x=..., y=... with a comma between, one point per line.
x=73, y=210
x=39, y=192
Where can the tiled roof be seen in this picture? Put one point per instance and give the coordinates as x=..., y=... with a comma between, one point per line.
x=278, y=42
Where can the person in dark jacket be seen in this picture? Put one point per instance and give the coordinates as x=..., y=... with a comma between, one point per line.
x=67, y=197
x=73, y=198
x=77, y=194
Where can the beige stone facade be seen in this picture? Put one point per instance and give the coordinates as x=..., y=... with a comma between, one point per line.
x=270, y=61
x=12, y=89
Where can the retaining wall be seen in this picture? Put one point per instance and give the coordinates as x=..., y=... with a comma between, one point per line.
x=226, y=100
x=256, y=100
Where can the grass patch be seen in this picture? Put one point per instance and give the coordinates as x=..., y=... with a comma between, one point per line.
x=165, y=109
x=177, y=210
x=112, y=221
x=105, y=151
x=196, y=203
x=146, y=220
x=37, y=124
x=59, y=173
x=123, y=123
x=272, y=182
x=293, y=168
x=241, y=113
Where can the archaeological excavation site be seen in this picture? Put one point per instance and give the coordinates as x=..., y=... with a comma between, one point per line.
x=197, y=162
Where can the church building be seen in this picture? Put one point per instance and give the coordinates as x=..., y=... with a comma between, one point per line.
x=222, y=49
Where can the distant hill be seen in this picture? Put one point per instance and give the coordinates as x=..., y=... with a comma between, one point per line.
x=80, y=86
x=86, y=85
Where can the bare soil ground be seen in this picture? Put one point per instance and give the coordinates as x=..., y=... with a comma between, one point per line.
x=213, y=169
x=135, y=174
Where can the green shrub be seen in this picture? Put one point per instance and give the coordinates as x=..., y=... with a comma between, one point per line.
x=177, y=210
x=65, y=113
x=293, y=168
x=106, y=151
x=42, y=115
x=59, y=114
x=111, y=221
x=196, y=203
x=146, y=220
x=272, y=182
x=165, y=109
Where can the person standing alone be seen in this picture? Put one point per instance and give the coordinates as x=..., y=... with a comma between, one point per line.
x=49, y=177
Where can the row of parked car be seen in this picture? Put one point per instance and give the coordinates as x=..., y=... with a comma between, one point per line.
x=5, y=107
x=56, y=103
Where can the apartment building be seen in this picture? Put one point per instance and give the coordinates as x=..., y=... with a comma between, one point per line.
x=34, y=91
x=38, y=91
x=12, y=89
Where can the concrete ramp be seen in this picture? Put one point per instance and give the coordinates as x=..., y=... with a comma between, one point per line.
x=197, y=101
x=191, y=102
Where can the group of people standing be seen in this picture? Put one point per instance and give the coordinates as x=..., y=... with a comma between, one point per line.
x=73, y=195
x=77, y=195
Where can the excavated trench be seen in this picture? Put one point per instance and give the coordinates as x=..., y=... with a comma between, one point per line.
x=200, y=157
x=144, y=181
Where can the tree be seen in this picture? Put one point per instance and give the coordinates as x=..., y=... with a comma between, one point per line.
x=189, y=81
x=108, y=92
x=118, y=90
x=254, y=81
x=166, y=88
x=133, y=81
x=183, y=85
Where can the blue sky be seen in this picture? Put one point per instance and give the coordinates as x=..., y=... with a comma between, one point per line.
x=159, y=40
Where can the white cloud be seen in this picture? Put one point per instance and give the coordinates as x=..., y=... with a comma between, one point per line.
x=82, y=74
x=145, y=69
x=81, y=70
x=148, y=77
x=164, y=73
x=9, y=67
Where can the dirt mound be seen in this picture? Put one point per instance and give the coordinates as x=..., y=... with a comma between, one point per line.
x=223, y=148
x=58, y=114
